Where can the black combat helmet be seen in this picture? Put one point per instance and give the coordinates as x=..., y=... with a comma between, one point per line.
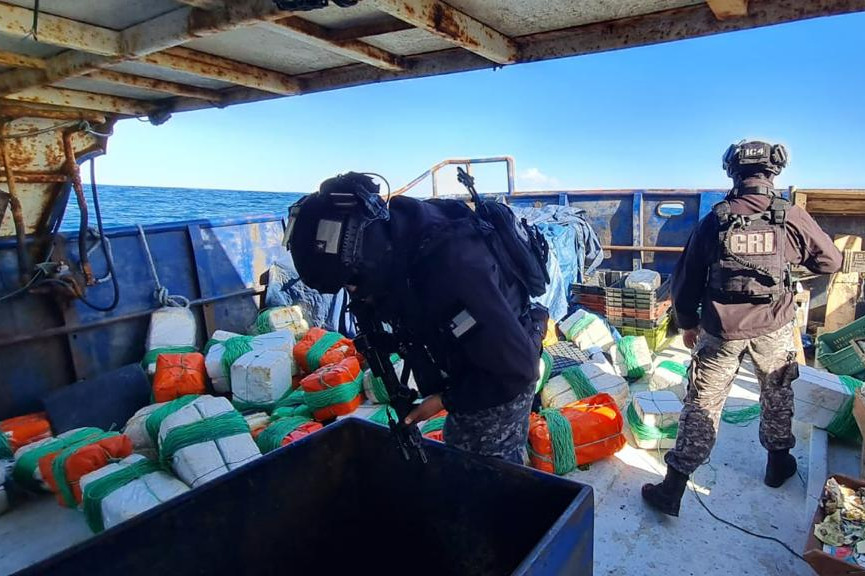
x=754, y=157
x=339, y=237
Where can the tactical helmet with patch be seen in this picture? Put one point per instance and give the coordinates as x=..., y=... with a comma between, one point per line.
x=754, y=156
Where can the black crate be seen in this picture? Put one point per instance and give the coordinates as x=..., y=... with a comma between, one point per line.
x=565, y=355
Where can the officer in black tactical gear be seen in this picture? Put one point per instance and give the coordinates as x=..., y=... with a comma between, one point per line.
x=426, y=269
x=736, y=265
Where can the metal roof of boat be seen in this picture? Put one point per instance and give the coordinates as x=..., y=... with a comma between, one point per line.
x=151, y=57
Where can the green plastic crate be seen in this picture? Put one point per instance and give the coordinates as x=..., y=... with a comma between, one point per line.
x=655, y=337
x=836, y=351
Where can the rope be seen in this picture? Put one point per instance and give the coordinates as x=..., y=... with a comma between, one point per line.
x=151, y=356
x=581, y=385
x=291, y=398
x=5, y=447
x=580, y=325
x=206, y=430
x=58, y=466
x=334, y=395
x=288, y=411
x=381, y=416
x=234, y=348
x=154, y=420
x=741, y=415
x=843, y=425
x=161, y=292
x=271, y=437
x=562, y=439
x=320, y=348
x=97, y=490
x=262, y=323
x=245, y=406
x=433, y=425
x=379, y=391
x=625, y=348
x=26, y=463
x=547, y=359
x=645, y=432
x=675, y=367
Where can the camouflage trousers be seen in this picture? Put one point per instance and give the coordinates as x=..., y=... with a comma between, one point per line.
x=501, y=431
x=713, y=369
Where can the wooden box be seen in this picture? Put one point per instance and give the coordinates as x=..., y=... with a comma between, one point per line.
x=822, y=563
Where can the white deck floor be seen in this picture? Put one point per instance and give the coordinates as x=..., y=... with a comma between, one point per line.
x=629, y=538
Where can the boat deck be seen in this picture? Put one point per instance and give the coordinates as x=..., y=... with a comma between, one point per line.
x=629, y=538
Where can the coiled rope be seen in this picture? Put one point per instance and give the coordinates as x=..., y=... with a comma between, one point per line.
x=161, y=292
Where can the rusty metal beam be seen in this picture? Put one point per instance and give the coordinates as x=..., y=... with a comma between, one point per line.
x=218, y=68
x=156, y=85
x=24, y=265
x=724, y=9
x=16, y=21
x=454, y=26
x=37, y=177
x=388, y=26
x=20, y=61
x=315, y=35
x=8, y=110
x=85, y=100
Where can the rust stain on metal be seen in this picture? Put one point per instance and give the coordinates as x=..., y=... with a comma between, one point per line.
x=15, y=205
x=75, y=175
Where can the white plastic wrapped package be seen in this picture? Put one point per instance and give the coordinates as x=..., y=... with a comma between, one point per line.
x=135, y=497
x=282, y=340
x=644, y=280
x=818, y=397
x=171, y=327
x=587, y=330
x=672, y=376
x=261, y=377
x=643, y=362
x=559, y=392
x=201, y=462
x=659, y=410
x=283, y=318
x=136, y=431
x=29, y=468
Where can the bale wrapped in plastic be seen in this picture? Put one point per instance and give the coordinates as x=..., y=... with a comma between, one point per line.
x=213, y=351
x=434, y=427
x=825, y=400
x=672, y=376
x=632, y=357
x=644, y=280
x=333, y=390
x=588, y=379
x=179, y=375
x=63, y=470
x=222, y=355
x=580, y=433
x=282, y=318
x=122, y=490
x=136, y=431
x=587, y=330
x=172, y=330
x=204, y=440
x=283, y=430
x=20, y=431
x=654, y=419
x=26, y=471
x=260, y=379
x=257, y=421
x=373, y=387
x=321, y=348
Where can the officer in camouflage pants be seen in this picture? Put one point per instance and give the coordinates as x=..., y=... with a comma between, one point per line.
x=732, y=294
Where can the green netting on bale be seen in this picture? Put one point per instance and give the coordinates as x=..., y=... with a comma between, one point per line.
x=97, y=490
x=580, y=325
x=271, y=437
x=151, y=356
x=562, y=440
x=207, y=430
x=234, y=348
x=625, y=348
x=290, y=398
x=262, y=323
x=5, y=447
x=580, y=384
x=286, y=411
x=335, y=395
x=154, y=420
x=675, y=367
x=843, y=425
x=380, y=416
x=58, y=466
x=320, y=348
x=741, y=415
x=643, y=431
x=433, y=425
x=26, y=464
x=379, y=391
x=547, y=360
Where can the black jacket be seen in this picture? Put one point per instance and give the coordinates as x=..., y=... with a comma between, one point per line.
x=474, y=322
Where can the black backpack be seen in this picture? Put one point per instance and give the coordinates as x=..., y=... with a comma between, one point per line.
x=521, y=248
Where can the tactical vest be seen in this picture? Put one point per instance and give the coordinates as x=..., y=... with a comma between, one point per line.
x=751, y=266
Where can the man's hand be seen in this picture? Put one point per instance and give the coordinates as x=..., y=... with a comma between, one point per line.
x=427, y=409
x=689, y=337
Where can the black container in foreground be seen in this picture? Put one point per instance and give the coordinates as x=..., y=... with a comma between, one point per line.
x=344, y=501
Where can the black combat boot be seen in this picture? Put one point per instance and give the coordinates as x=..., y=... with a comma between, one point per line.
x=666, y=497
x=781, y=465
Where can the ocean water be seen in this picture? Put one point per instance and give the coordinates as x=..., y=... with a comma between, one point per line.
x=130, y=205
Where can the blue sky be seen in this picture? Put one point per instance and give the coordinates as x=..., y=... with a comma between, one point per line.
x=658, y=116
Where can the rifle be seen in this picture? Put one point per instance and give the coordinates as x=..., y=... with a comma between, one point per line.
x=376, y=344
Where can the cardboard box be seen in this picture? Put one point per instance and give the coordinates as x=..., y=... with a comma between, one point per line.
x=822, y=563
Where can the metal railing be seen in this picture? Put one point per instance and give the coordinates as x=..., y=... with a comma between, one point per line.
x=467, y=164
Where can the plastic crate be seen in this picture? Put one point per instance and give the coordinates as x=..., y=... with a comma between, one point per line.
x=836, y=351
x=655, y=313
x=597, y=283
x=618, y=295
x=565, y=355
x=656, y=337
